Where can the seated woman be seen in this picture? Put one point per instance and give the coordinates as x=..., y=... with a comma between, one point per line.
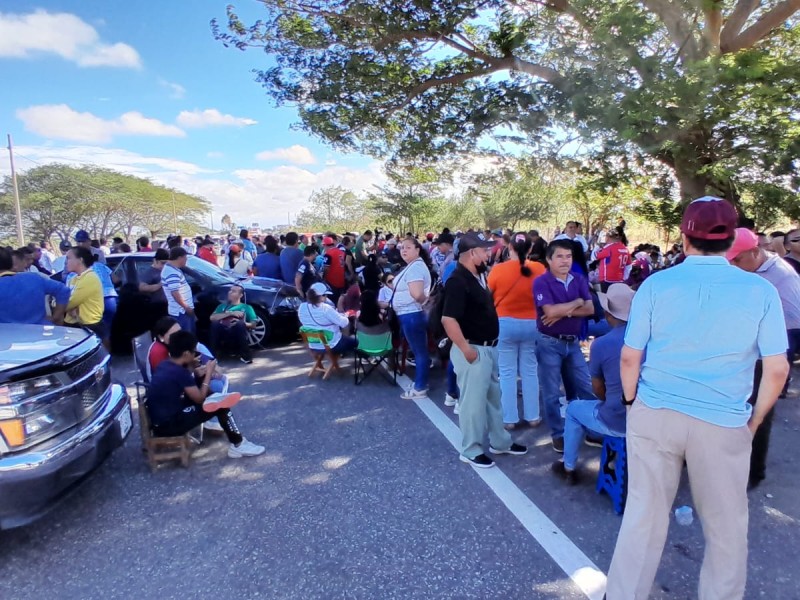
x=317, y=313
x=237, y=261
x=176, y=404
x=370, y=319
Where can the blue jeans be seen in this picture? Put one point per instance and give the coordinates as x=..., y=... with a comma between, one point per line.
x=582, y=417
x=415, y=330
x=345, y=345
x=553, y=354
x=187, y=322
x=109, y=310
x=516, y=354
x=452, y=381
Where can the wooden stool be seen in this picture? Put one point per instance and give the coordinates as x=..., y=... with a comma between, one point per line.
x=319, y=337
x=162, y=449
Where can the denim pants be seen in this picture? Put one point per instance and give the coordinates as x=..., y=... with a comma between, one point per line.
x=480, y=401
x=234, y=336
x=582, y=417
x=187, y=322
x=516, y=354
x=452, y=381
x=415, y=330
x=556, y=357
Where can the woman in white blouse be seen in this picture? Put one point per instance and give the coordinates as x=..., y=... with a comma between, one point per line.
x=238, y=262
x=412, y=287
x=317, y=313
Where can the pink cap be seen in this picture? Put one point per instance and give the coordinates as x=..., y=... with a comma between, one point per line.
x=709, y=218
x=745, y=240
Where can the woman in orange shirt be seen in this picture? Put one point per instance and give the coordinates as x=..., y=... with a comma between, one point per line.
x=511, y=283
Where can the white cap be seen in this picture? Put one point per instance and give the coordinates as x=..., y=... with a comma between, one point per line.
x=320, y=289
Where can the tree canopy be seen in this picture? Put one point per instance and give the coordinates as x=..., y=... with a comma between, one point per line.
x=58, y=199
x=705, y=89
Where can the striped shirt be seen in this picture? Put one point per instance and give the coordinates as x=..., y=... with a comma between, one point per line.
x=173, y=280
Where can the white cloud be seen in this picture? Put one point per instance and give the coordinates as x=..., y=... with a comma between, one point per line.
x=176, y=91
x=248, y=195
x=214, y=154
x=297, y=155
x=59, y=121
x=211, y=117
x=62, y=34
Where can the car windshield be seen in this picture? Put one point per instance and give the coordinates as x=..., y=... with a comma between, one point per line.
x=205, y=268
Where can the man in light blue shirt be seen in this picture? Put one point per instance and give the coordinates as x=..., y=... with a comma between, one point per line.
x=703, y=325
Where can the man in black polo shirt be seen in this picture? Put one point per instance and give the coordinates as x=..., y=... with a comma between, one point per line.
x=470, y=321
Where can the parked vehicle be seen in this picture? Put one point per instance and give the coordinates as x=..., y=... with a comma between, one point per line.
x=60, y=416
x=274, y=302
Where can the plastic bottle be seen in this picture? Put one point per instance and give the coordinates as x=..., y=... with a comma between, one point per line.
x=683, y=515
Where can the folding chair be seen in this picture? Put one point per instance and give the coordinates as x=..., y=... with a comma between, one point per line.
x=372, y=352
x=323, y=337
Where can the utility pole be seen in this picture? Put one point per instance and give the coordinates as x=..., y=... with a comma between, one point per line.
x=289, y=219
x=17, y=209
x=174, y=214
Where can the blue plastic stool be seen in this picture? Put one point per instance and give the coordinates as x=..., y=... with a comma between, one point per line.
x=613, y=476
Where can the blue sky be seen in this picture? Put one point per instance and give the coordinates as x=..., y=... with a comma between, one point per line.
x=144, y=88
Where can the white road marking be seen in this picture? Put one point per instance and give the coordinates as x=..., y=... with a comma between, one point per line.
x=579, y=567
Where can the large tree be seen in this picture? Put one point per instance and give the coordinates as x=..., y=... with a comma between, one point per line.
x=707, y=88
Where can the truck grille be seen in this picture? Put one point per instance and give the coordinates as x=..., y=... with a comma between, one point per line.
x=87, y=365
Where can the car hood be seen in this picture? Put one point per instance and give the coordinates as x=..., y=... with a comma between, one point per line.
x=27, y=344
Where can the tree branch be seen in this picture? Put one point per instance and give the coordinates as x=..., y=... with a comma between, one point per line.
x=758, y=30
x=678, y=28
x=737, y=19
x=713, y=25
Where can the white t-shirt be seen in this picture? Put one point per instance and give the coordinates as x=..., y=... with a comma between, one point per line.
x=325, y=317
x=240, y=267
x=173, y=280
x=403, y=302
x=385, y=294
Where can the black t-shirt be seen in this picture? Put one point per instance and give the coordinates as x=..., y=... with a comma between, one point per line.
x=470, y=303
x=165, y=397
x=151, y=277
x=308, y=275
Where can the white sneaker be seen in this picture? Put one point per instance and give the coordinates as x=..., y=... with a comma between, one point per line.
x=212, y=425
x=413, y=394
x=457, y=408
x=246, y=448
x=449, y=400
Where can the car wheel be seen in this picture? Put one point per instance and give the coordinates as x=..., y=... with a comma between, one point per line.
x=259, y=334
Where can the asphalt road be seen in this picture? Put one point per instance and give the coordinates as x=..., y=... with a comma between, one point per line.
x=358, y=496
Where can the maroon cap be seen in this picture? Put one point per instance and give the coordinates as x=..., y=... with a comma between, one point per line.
x=710, y=218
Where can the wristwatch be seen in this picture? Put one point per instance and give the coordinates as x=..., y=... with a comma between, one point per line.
x=627, y=402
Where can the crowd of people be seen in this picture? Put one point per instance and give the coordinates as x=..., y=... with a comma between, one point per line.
x=510, y=315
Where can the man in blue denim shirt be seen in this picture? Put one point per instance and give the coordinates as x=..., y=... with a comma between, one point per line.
x=562, y=301
x=703, y=324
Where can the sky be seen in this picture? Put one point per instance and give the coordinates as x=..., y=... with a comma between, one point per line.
x=143, y=88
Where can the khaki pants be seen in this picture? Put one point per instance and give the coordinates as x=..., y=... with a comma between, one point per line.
x=718, y=460
x=479, y=405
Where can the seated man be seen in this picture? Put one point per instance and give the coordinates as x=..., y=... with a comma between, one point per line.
x=319, y=314
x=230, y=322
x=607, y=415
x=176, y=404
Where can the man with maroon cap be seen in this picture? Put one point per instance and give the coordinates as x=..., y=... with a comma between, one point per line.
x=688, y=402
x=333, y=271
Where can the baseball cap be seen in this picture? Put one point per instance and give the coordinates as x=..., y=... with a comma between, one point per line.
x=617, y=300
x=328, y=241
x=745, y=240
x=82, y=236
x=709, y=218
x=470, y=241
x=429, y=236
x=64, y=245
x=391, y=242
x=320, y=289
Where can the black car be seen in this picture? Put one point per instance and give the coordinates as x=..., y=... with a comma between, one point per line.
x=60, y=416
x=274, y=302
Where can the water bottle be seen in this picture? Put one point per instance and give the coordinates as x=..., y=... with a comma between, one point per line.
x=683, y=515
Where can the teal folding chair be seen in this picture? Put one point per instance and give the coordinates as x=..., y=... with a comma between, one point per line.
x=372, y=352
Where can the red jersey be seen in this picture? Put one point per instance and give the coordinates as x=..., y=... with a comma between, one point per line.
x=613, y=260
x=157, y=354
x=207, y=253
x=334, y=268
